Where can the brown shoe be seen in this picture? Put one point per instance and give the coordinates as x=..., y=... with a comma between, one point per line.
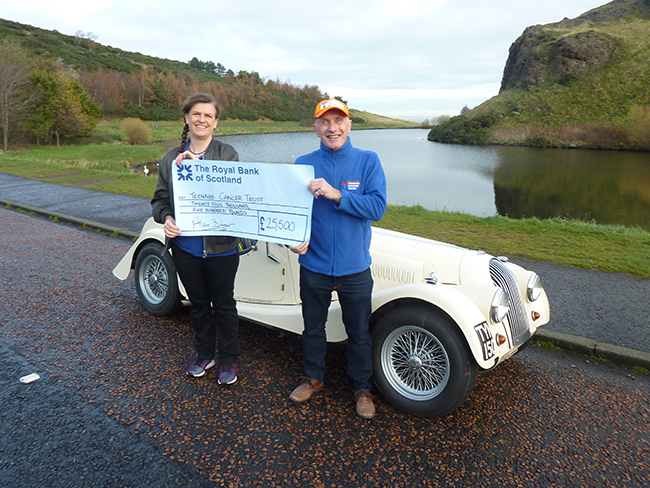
x=307, y=388
x=365, y=406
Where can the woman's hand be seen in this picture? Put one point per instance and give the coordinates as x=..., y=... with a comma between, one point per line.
x=185, y=155
x=170, y=227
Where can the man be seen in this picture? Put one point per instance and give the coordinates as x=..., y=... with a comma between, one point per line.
x=350, y=192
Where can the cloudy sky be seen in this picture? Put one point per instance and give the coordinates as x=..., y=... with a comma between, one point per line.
x=411, y=59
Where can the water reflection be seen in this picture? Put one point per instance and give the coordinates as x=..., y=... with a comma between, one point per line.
x=605, y=186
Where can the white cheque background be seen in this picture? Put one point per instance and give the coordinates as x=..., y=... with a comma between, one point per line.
x=264, y=201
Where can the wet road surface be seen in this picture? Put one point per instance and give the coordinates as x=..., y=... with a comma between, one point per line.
x=114, y=408
x=590, y=310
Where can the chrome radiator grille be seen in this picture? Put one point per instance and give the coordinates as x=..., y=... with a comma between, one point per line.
x=505, y=279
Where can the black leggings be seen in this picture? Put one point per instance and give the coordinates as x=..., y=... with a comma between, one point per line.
x=210, y=284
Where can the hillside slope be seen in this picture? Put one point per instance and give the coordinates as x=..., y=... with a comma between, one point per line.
x=114, y=78
x=581, y=78
x=82, y=52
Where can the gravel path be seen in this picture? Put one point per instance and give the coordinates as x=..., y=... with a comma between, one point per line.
x=114, y=408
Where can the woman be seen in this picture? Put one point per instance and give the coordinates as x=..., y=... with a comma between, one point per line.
x=206, y=264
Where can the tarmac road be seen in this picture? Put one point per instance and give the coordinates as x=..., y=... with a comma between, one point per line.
x=605, y=314
x=113, y=406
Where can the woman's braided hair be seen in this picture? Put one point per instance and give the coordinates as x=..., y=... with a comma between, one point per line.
x=193, y=99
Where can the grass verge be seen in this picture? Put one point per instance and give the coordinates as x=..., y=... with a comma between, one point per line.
x=108, y=166
x=561, y=241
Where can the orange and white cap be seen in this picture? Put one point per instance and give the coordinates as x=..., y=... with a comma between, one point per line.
x=329, y=104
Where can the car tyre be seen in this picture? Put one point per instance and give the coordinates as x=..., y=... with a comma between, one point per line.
x=422, y=364
x=155, y=280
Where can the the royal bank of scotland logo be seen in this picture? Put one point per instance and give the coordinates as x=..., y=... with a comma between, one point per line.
x=184, y=172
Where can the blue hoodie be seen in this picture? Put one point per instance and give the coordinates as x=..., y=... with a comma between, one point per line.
x=340, y=234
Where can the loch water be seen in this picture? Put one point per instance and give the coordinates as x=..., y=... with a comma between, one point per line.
x=608, y=187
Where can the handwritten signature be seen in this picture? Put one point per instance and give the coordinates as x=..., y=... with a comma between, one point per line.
x=198, y=223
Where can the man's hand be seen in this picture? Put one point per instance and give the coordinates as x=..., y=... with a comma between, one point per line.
x=320, y=187
x=300, y=248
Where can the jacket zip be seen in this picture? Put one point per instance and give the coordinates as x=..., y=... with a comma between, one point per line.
x=336, y=182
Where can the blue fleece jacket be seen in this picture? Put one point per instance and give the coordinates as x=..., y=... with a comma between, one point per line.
x=340, y=234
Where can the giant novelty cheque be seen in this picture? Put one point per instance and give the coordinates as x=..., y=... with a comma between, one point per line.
x=264, y=201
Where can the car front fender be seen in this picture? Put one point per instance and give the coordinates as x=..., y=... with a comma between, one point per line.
x=466, y=305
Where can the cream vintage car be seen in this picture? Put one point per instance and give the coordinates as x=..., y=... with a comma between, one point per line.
x=441, y=313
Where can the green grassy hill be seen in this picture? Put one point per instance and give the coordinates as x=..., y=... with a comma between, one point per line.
x=577, y=82
x=81, y=52
x=97, y=64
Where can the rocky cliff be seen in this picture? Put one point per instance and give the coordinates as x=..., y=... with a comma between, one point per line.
x=567, y=49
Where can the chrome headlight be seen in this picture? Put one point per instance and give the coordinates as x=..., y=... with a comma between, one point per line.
x=533, y=287
x=500, y=306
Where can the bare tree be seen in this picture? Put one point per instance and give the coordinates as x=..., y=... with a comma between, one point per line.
x=88, y=36
x=91, y=40
x=14, y=71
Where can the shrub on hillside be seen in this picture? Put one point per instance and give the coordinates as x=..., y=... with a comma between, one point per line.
x=463, y=130
x=136, y=132
x=539, y=141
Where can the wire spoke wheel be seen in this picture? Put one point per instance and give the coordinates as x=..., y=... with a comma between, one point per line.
x=422, y=364
x=155, y=280
x=415, y=362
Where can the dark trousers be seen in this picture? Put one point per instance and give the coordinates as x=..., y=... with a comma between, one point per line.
x=355, y=295
x=210, y=284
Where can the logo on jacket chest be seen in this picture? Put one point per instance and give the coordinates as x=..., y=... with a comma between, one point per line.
x=352, y=185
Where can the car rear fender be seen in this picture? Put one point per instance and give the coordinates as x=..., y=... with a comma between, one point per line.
x=152, y=231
